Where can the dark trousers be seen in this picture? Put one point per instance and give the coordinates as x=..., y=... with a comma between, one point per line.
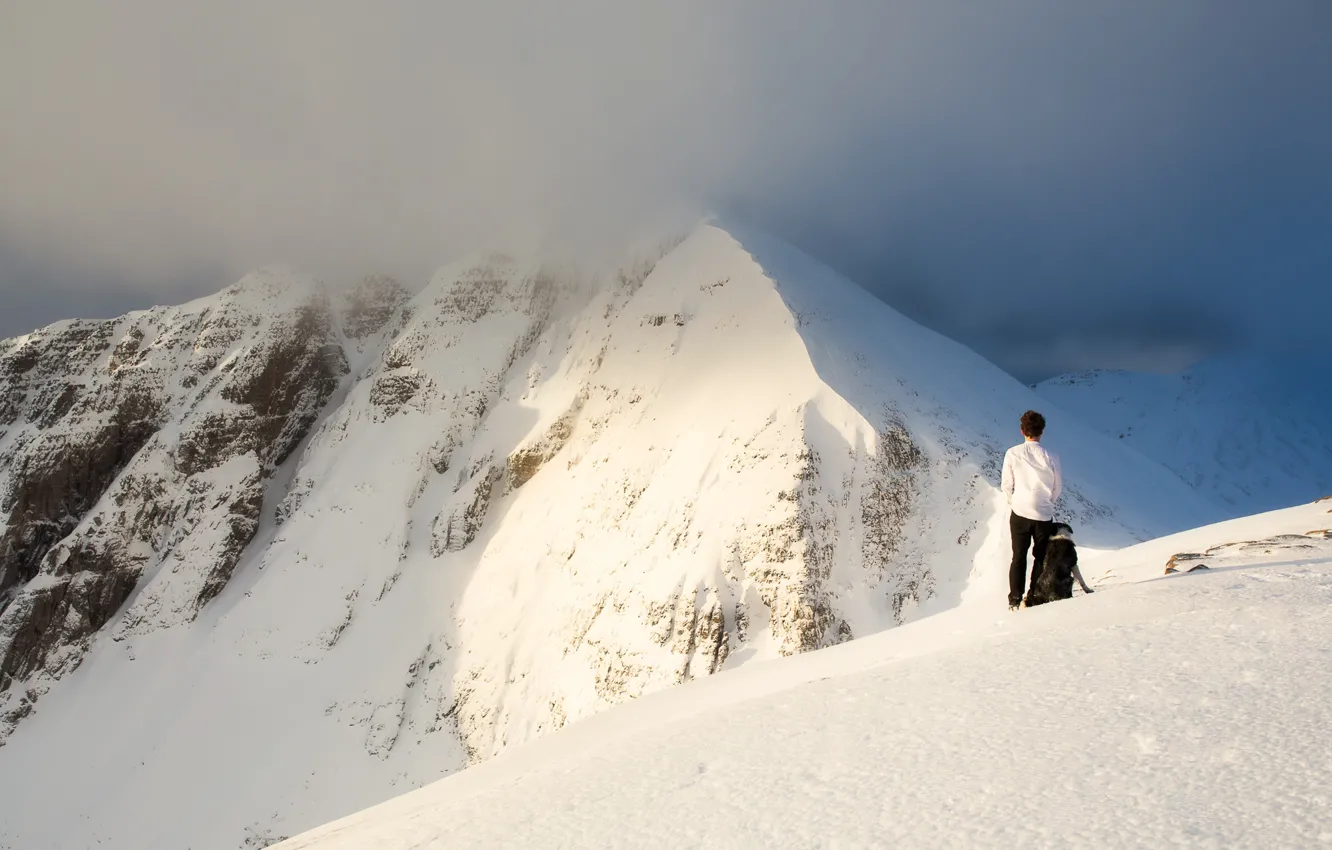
x=1027, y=533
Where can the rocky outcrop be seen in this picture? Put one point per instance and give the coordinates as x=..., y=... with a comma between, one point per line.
x=886, y=507
x=457, y=525
x=1310, y=544
x=790, y=561
x=525, y=461
x=392, y=391
x=53, y=483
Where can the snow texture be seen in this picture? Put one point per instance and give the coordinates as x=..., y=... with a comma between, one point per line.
x=526, y=497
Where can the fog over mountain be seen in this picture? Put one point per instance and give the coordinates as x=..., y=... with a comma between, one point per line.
x=1123, y=184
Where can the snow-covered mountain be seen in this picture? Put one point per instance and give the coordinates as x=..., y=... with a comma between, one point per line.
x=1251, y=433
x=1187, y=711
x=275, y=555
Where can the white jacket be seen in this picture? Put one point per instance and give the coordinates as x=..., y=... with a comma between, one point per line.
x=1032, y=481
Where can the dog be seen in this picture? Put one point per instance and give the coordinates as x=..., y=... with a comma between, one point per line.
x=1061, y=567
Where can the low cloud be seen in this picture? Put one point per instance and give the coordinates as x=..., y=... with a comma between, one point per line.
x=1003, y=172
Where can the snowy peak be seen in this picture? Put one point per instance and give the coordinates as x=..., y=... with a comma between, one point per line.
x=877, y=360
x=430, y=528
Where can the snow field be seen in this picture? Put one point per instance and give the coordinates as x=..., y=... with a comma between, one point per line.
x=1184, y=712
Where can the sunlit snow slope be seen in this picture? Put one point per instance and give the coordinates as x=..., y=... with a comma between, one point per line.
x=516, y=499
x=1185, y=710
x=1251, y=433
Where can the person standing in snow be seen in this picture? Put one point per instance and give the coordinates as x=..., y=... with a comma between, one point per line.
x=1032, y=483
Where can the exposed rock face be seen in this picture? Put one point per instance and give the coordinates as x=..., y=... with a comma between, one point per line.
x=526, y=460
x=457, y=525
x=54, y=482
x=811, y=532
x=139, y=443
x=887, y=507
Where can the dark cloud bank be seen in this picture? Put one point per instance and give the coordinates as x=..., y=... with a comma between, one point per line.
x=1107, y=182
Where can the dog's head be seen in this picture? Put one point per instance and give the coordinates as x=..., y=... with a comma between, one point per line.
x=1061, y=531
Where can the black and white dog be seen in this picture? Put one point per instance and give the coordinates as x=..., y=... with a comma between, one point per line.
x=1061, y=567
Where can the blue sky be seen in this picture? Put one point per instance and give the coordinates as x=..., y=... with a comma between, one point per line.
x=1060, y=185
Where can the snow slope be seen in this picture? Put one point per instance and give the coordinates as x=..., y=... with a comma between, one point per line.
x=1186, y=711
x=526, y=498
x=1253, y=434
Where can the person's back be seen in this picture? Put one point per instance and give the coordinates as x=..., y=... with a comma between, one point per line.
x=1032, y=482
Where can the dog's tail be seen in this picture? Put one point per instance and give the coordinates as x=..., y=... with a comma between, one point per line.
x=1077, y=574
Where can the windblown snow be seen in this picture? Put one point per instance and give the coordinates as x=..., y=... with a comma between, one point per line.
x=274, y=556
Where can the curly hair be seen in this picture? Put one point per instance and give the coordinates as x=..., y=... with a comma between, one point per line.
x=1033, y=424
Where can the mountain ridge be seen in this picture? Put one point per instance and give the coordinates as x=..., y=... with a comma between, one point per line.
x=1249, y=432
